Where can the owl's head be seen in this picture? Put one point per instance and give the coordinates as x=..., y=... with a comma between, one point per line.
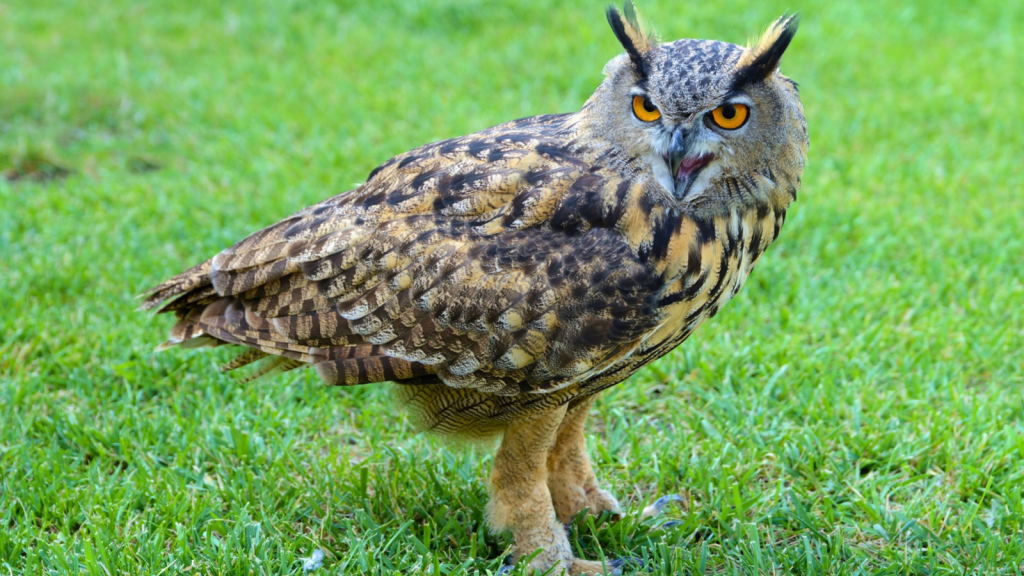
x=715, y=123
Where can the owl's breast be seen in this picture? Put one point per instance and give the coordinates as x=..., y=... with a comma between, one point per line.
x=720, y=254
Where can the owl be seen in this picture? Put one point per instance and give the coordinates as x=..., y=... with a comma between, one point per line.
x=504, y=279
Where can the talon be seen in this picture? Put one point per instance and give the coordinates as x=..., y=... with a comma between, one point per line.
x=607, y=568
x=671, y=524
x=507, y=565
x=659, y=505
x=620, y=563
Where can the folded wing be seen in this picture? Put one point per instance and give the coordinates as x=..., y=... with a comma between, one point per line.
x=480, y=262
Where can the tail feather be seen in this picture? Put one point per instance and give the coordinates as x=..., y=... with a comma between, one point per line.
x=209, y=318
x=272, y=366
x=190, y=299
x=196, y=277
x=369, y=370
x=247, y=357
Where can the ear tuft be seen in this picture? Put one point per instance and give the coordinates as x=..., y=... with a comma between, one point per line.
x=762, y=57
x=627, y=29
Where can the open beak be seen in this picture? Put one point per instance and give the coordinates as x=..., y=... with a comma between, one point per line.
x=684, y=165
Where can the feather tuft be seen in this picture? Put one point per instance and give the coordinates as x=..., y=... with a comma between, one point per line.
x=627, y=28
x=761, y=57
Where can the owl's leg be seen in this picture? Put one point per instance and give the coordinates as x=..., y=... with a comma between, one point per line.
x=571, y=479
x=521, y=502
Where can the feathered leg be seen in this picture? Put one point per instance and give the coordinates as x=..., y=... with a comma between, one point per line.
x=571, y=479
x=521, y=502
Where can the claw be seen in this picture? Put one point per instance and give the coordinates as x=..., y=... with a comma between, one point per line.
x=659, y=505
x=671, y=524
x=619, y=563
x=608, y=568
x=507, y=565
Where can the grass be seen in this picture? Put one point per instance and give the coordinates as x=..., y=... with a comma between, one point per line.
x=856, y=410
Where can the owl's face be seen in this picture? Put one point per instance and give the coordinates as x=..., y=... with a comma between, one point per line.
x=715, y=123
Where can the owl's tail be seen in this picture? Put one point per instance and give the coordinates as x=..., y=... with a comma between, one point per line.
x=205, y=318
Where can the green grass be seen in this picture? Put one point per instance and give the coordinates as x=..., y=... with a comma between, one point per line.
x=856, y=410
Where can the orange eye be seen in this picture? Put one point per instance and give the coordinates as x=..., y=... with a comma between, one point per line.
x=645, y=109
x=730, y=116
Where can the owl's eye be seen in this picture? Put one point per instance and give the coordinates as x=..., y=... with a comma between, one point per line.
x=645, y=109
x=730, y=116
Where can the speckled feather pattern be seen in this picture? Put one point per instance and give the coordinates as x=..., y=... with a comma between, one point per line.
x=499, y=274
x=691, y=71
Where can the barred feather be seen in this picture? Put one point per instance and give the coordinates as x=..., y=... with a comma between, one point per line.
x=504, y=272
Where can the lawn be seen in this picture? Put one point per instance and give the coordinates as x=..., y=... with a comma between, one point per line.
x=857, y=409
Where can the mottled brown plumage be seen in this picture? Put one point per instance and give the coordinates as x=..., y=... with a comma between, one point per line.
x=506, y=277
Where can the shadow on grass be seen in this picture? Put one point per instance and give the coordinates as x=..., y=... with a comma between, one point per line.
x=32, y=167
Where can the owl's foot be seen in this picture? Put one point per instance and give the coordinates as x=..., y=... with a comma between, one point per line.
x=546, y=547
x=609, y=568
x=571, y=499
x=590, y=567
x=522, y=502
x=571, y=478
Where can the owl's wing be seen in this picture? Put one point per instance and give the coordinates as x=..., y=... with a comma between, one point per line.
x=480, y=261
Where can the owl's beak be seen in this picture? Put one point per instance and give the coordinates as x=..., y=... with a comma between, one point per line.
x=684, y=165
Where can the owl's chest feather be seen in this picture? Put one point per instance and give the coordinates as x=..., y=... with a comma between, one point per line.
x=720, y=254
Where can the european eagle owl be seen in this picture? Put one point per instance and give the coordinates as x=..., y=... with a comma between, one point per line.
x=505, y=278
